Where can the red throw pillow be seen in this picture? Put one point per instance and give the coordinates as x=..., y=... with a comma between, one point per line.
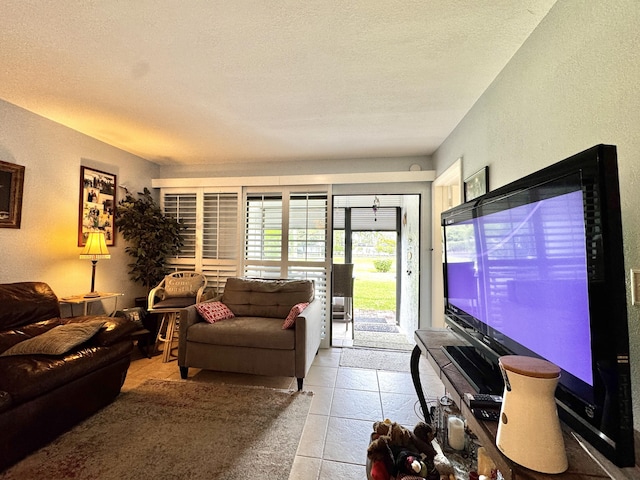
x=214, y=311
x=293, y=314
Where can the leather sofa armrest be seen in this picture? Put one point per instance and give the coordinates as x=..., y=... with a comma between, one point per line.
x=5, y=400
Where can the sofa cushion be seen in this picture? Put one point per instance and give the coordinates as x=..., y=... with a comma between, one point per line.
x=28, y=376
x=254, y=332
x=214, y=311
x=294, y=313
x=114, y=330
x=58, y=340
x=26, y=302
x=8, y=338
x=253, y=297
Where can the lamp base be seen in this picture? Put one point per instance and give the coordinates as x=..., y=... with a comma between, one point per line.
x=92, y=295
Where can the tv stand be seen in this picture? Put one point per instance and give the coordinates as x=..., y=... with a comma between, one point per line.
x=429, y=342
x=483, y=377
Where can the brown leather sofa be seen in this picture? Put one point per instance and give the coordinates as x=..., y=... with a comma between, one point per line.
x=254, y=341
x=42, y=396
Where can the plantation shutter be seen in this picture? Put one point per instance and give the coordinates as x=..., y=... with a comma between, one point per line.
x=308, y=242
x=220, y=250
x=182, y=206
x=220, y=226
x=263, y=236
x=308, y=227
x=211, y=243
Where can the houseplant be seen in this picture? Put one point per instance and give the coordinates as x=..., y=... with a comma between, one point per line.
x=152, y=237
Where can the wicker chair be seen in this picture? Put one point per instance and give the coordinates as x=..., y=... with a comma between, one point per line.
x=176, y=291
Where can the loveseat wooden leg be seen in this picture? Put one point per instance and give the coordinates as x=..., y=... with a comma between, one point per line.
x=300, y=380
x=184, y=372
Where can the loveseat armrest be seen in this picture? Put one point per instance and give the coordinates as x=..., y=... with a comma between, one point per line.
x=308, y=329
x=189, y=316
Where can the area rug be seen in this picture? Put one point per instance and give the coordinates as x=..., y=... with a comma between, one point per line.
x=370, y=319
x=179, y=430
x=390, y=341
x=375, y=327
x=375, y=359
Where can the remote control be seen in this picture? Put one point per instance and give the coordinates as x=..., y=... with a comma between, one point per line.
x=486, y=415
x=483, y=400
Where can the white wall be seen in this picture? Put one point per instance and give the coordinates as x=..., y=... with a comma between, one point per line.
x=411, y=306
x=303, y=167
x=573, y=84
x=45, y=247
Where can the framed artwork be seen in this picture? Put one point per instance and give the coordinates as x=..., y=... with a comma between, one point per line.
x=477, y=184
x=11, y=185
x=97, y=205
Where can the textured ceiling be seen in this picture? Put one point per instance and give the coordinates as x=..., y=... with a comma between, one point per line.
x=216, y=81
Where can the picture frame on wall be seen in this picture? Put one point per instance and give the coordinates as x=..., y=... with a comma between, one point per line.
x=11, y=186
x=476, y=184
x=97, y=205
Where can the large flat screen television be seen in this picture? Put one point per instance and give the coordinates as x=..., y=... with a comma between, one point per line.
x=536, y=268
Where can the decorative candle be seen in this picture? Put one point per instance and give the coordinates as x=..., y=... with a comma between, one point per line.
x=455, y=432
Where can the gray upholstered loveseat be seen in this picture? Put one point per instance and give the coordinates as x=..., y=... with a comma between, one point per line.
x=254, y=341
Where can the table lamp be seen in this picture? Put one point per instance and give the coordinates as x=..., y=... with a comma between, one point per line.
x=94, y=249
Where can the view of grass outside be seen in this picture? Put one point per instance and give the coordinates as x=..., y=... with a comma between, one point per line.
x=374, y=267
x=375, y=295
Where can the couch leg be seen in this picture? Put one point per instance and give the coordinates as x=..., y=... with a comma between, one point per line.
x=184, y=372
x=300, y=380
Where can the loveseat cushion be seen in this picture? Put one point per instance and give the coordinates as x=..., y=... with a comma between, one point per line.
x=254, y=332
x=253, y=297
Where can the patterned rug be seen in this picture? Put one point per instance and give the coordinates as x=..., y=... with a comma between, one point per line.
x=179, y=430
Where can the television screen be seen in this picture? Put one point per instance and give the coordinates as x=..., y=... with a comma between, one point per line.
x=536, y=268
x=531, y=260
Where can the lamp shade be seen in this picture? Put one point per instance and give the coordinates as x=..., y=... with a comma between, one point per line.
x=95, y=248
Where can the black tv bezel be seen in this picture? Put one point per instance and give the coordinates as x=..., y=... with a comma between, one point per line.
x=598, y=173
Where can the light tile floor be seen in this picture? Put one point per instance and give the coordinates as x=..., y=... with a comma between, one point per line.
x=345, y=404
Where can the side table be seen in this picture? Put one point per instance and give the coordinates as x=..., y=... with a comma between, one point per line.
x=86, y=301
x=169, y=325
